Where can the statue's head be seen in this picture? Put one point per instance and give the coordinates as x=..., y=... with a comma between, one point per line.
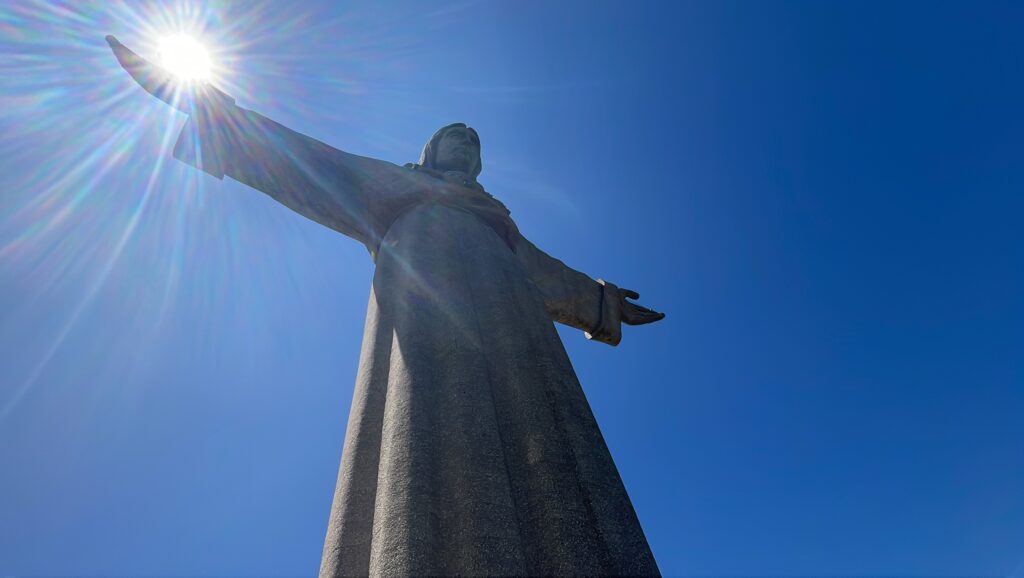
x=455, y=147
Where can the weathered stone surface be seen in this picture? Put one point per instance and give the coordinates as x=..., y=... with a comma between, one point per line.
x=471, y=448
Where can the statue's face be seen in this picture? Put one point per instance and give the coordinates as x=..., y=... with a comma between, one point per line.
x=458, y=150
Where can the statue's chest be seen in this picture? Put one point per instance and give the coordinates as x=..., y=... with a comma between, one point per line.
x=434, y=229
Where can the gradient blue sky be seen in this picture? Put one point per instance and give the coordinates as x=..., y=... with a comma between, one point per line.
x=826, y=199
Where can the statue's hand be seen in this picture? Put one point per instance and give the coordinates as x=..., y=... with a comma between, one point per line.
x=161, y=84
x=150, y=77
x=634, y=313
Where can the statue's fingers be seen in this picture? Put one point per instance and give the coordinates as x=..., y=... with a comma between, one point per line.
x=640, y=315
x=150, y=77
x=650, y=316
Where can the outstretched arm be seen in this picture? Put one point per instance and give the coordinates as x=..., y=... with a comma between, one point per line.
x=346, y=192
x=597, y=307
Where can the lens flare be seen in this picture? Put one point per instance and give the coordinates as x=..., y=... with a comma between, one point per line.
x=98, y=222
x=185, y=57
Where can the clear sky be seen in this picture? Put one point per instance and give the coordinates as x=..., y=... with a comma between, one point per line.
x=826, y=199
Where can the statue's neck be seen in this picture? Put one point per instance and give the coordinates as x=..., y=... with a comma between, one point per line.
x=456, y=177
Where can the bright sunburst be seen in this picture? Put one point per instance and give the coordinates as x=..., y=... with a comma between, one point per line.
x=185, y=57
x=94, y=164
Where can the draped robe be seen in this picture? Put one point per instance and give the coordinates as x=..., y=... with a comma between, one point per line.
x=470, y=448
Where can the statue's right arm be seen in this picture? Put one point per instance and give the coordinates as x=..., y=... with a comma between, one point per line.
x=349, y=193
x=346, y=192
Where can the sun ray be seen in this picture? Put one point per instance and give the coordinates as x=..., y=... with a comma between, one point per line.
x=99, y=279
x=185, y=57
x=83, y=147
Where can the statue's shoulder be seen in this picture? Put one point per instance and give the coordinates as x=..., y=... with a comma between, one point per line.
x=423, y=172
x=472, y=192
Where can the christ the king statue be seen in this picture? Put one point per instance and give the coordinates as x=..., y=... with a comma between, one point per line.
x=471, y=449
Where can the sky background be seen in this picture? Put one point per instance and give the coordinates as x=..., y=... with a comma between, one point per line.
x=825, y=198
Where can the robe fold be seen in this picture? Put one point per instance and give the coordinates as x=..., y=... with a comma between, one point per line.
x=470, y=448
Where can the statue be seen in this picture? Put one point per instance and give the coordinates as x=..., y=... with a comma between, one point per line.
x=471, y=448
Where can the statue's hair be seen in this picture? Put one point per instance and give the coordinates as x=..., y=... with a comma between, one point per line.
x=428, y=157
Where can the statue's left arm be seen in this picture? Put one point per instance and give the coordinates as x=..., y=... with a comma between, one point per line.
x=596, y=307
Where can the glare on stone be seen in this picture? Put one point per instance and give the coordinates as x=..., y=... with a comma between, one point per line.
x=185, y=57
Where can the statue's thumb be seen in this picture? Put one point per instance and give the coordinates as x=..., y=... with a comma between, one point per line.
x=112, y=41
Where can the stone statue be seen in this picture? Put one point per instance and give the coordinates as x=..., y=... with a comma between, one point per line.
x=471, y=448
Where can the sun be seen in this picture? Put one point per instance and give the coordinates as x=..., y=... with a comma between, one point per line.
x=185, y=57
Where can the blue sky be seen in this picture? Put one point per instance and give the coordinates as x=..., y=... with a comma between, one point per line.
x=825, y=198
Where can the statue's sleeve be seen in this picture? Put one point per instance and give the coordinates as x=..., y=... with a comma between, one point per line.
x=573, y=298
x=343, y=191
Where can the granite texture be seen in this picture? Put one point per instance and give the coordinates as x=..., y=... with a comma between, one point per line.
x=471, y=449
